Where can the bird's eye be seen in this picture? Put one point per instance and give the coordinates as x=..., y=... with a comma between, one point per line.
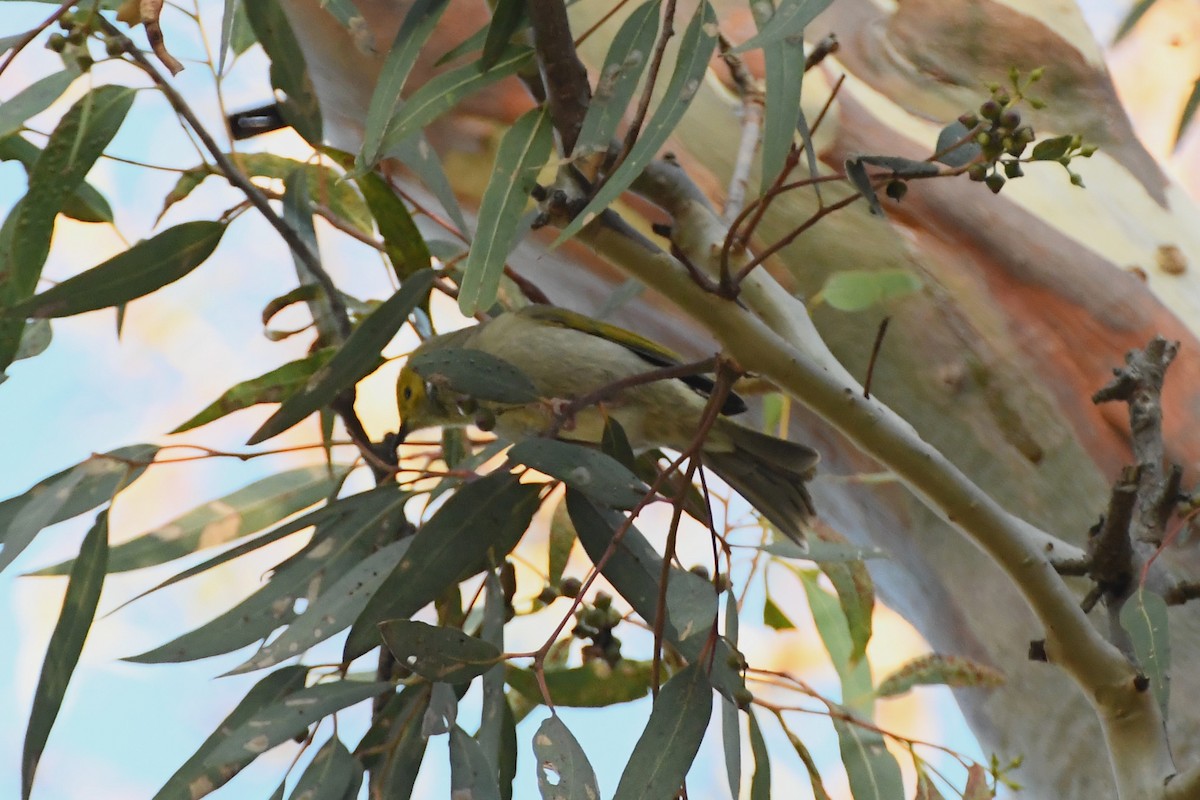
x=407, y=392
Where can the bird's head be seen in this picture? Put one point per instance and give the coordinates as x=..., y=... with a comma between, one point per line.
x=414, y=403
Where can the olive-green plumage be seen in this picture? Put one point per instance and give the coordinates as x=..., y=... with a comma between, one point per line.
x=567, y=355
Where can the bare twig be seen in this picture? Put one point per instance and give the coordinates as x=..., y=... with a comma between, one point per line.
x=568, y=92
x=30, y=35
x=752, y=115
x=883, y=326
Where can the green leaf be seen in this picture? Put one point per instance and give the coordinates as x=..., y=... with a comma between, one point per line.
x=595, y=474
x=438, y=654
x=822, y=552
x=272, y=387
x=232, y=8
x=784, y=67
x=35, y=339
x=856, y=595
x=760, y=784
x=1144, y=616
x=288, y=717
x=471, y=774
x=386, y=100
x=333, y=774
x=856, y=173
x=523, y=151
x=855, y=676
x=474, y=373
x=77, y=141
x=872, y=770
x=691, y=604
x=963, y=154
x=1052, y=149
x=594, y=685
x=445, y=91
x=1135, y=13
x=731, y=745
x=633, y=569
x=357, y=358
x=339, y=544
x=146, y=267
x=194, y=774
x=33, y=100
x=859, y=289
x=332, y=612
x=695, y=50
x=418, y=155
x=627, y=59
x=288, y=72
x=563, y=770
x=405, y=246
x=394, y=747
x=934, y=669
x=562, y=541
x=668, y=745
x=494, y=709
x=66, y=643
x=478, y=526
x=508, y=16
x=788, y=21
x=68, y=494
x=773, y=617
x=614, y=443
x=217, y=522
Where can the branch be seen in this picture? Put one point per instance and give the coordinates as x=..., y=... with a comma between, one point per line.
x=568, y=92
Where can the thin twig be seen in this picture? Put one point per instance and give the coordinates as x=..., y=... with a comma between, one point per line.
x=29, y=36
x=752, y=116
x=567, y=89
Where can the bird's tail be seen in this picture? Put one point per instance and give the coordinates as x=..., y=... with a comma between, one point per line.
x=770, y=473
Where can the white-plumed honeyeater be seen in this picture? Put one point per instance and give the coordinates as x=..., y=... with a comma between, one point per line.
x=567, y=355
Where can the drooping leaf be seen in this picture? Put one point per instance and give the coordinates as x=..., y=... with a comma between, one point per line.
x=760, y=784
x=691, y=604
x=1144, y=617
x=332, y=612
x=858, y=289
x=614, y=443
x=783, y=61
x=471, y=774
x=562, y=541
x=494, y=706
x=386, y=100
x=856, y=173
x=474, y=373
x=668, y=745
x=68, y=494
x=873, y=772
x=357, y=358
x=934, y=669
x=827, y=614
x=289, y=74
x=246, y=511
x=418, y=154
x=272, y=387
x=593, y=685
x=773, y=617
x=695, y=50
x=1052, y=149
x=478, y=526
x=810, y=766
x=85, y=203
x=194, y=779
x=66, y=643
x=445, y=91
x=33, y=100
x=144, y=268
x=333, y=774
x=440, y=655
x=856, y=595
x=338, y=545
x=398, y=726
x=508, y=16
x=627, y=59
x=228, y=17
x=563, y=770
x=523, y=151
x=789, y=20
x=590, y=471
x=822, y=552
x=731, y=745
x=442, y=712
x=289, y=717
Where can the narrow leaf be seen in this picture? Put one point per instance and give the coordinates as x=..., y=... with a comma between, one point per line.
x=1144, y=616
x=873, y=772
x=33, y=100
x=563, y=770
x=731, y=741
x=227, y=20
x=856, y=595
x=522, y=154
x=562, y=541
x=856, y=173
x=1135, y=13
x=471, y=774
x=85, y=203
x=831, y=624
x=289, y=74
x=357, y=358
x=440, y=655
x=289, y=717
x=695, y=50
x=146, y=267
x=789, y=20
x=418, y=155
x=66, y=643
x=272, y=387
x=760, y=784
x=691, y=604
x=934, y=669
x=476, y=527
x=419, y=22
x=595, y=474
x=394, y=747
x=668, y=745
x=1189, y=111
x=330, y=775
x=784, y=66
x=476, y=374
x=194, y=779
x=445, y=91
x=594, y=685
x=627, y=59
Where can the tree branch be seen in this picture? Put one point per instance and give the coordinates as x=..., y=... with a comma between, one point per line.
x=568, y=92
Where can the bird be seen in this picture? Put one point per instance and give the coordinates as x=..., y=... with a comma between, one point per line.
x=567, y=355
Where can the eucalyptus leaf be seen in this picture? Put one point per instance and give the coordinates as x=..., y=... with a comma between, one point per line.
x=289, y=73
x=33, y=100
x=961, y=155
x=590, y=471
x=691, y=604
x=563, y=770
x=1144, y=617
x=789, y=20
x=438, y=654
x=474, y=373
x=857, y=289
x=783, y=62
x=394, y=747
x=938, y=670
x=333, y=774
x=593, y=685
x=873, y=772
x=471, y=774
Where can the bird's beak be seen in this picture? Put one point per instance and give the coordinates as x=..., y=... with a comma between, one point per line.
x=403, y=433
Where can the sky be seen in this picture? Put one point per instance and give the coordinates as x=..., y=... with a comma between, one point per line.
x=126, y=726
